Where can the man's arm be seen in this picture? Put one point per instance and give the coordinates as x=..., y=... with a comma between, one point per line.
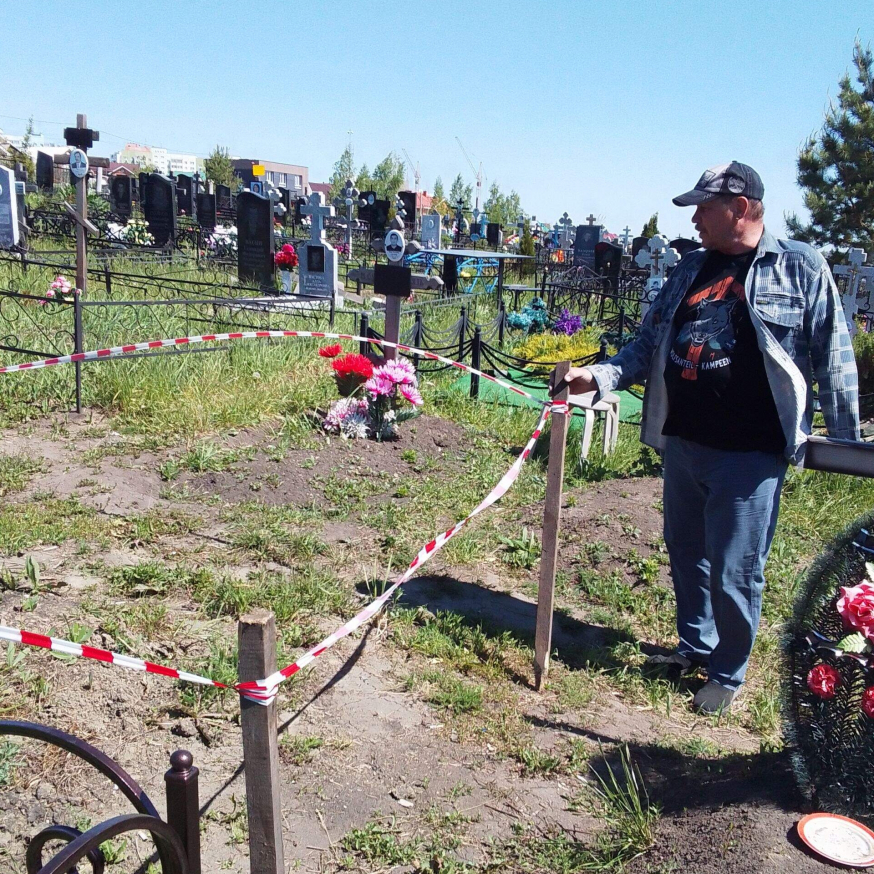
x=831, y=356
x=631, y=364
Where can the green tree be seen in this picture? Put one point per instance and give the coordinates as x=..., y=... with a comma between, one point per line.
x=460, y=191
x=388, y=177
x=651, y=228
x=219, y=168
x=344, y=169
x=364, y=181
x=26, y=143
x=836, y=166
x=439, y=193
x=502, y=208
x=526, y=247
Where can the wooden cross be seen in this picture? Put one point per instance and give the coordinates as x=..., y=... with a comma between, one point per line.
x=318, y=212
x=856, y=274
x=591, y=219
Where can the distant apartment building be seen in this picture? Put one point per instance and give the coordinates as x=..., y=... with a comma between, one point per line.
x=291, y=176
x=180, y=163
x=150, y=156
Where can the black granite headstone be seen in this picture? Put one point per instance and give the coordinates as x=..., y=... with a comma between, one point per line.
x=379, y=216
x=408, y=198
x=285, y=200
x=393, y=281
x=587, y=237
x=365, y=212
x=224, y=202
x=255, y=245
x=298, y=215
x=450, y=274
x=206, y=210
x=494, y=235
x=121, y=195
x=637, y=244
x=185, y=197
x=159, y=207
x=45, y=171
x=684, y=245
x=608, y=260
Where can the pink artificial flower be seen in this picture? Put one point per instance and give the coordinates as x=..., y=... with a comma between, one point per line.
x=411, y=393
x=856, y=608
x=868, y=702
x=822, y=680
x=379, y=385
x=399, y=373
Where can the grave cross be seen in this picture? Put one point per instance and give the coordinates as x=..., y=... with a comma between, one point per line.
x=591, y=219
x=856, y=274
x=348, y=197
x=317, y=211
x=626, y=237
x=658, y=257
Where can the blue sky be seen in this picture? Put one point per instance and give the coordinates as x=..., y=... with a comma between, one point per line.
x=584, y=106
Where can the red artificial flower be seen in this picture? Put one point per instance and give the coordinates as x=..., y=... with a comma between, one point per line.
x=331, y=351
x=822, y=680
x=286, y=257
x=351, y=371
x=868, y=702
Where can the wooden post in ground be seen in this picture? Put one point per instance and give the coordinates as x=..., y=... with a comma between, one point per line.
x=549, y=537
x=257, y=654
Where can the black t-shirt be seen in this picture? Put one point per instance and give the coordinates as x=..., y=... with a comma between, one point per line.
x=718, y=391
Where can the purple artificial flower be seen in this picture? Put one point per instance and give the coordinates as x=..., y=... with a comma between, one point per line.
x=567, y=323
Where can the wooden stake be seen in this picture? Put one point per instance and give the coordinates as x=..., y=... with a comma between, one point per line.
x=256, y=633
x=392, y=325
x=549, y=537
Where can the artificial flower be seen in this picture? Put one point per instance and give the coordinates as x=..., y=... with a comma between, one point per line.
x=411, y=393
x=822, y=680
x=286, y=257
x=856, y=608
x=331, y=351
x=868, y=702
x=379, y=385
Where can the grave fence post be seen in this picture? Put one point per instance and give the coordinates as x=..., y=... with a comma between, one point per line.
x=256, y=633
x=621, y=330
x=107, y=281
x=23, y=261
x=462, y=333
x=418, y=337
x=476, y=349
x=502, y=323
x=603, y=353
x=549, y=536
x=333, y=311
x=363, y=328
x=183, y=805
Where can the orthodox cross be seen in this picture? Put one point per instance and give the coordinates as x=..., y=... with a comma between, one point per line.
x=318, y=212
x=856, y=274
x=626, y=237
x=658, y=257
x=591, y=219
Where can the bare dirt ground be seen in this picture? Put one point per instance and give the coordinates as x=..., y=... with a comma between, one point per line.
x=361, y=744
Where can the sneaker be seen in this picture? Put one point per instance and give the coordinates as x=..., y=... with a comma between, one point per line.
x=674, y=662
x=712, y=699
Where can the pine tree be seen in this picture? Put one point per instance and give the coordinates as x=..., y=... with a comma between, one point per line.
x=836, y=167
x=526, y=247
x=219, y=168
x=651, y=228
x=439, y=194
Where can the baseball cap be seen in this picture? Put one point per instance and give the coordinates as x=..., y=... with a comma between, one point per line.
x=734, y=179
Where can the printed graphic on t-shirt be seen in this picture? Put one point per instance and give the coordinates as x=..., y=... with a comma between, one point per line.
x=706, y=338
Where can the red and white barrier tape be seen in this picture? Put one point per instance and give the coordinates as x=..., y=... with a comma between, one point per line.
x=264, y=691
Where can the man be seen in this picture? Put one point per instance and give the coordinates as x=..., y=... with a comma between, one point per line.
x=730, y=349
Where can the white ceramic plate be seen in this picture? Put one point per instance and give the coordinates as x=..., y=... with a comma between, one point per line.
x=838, y=839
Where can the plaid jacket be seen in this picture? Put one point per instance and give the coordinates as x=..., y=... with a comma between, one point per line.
x=799, y=322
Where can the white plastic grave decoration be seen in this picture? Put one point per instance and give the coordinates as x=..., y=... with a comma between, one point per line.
x=609, y=406
x=858, y=277
x=658, y=257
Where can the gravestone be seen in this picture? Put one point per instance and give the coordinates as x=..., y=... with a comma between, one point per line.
x=255, y=245
x=408, y=198
x=856, y=274
x=379, y=216
x=564, y=237
x=317, y=267
x=494, y=235
x=285, y=200
x=637, y=244
x=658, y=257
x=121, y=195
x=431, y=225
x=587, y=237
x=9, y=235
x=684, y=246
x=159, y=207
x=206, y=210
x=365, y=206
x=45, y=171
x=608, y=260
x=185, y=197
x=449, y=273
x=223, y=199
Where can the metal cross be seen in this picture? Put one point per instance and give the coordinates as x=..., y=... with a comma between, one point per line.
x=626, y=236
x=658, y=257
x=591, y=219
x=856, y=274
x=318, y=212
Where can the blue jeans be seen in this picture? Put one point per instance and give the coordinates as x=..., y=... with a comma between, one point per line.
x=720, y=513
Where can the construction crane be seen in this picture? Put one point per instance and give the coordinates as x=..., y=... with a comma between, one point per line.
x=416, y=176
x=477, y=173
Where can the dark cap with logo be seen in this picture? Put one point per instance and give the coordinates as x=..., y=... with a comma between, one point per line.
x=734, y=179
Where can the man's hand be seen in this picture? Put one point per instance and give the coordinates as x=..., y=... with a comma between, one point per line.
x=579, y=380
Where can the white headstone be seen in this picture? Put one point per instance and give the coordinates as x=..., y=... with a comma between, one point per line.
x=431, y=231
x=8, y=209
x=317, y=265
x=657, y=257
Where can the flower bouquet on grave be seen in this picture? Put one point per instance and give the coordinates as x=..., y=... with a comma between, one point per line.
x=61, y=291
x=351, y=371
x=391, y=388
x=532, y=318
x=830, y=713
x=136, y=231
x=567, y=323
x=286, y=260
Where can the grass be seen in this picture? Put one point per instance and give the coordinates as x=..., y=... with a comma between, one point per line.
x=16, y=471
